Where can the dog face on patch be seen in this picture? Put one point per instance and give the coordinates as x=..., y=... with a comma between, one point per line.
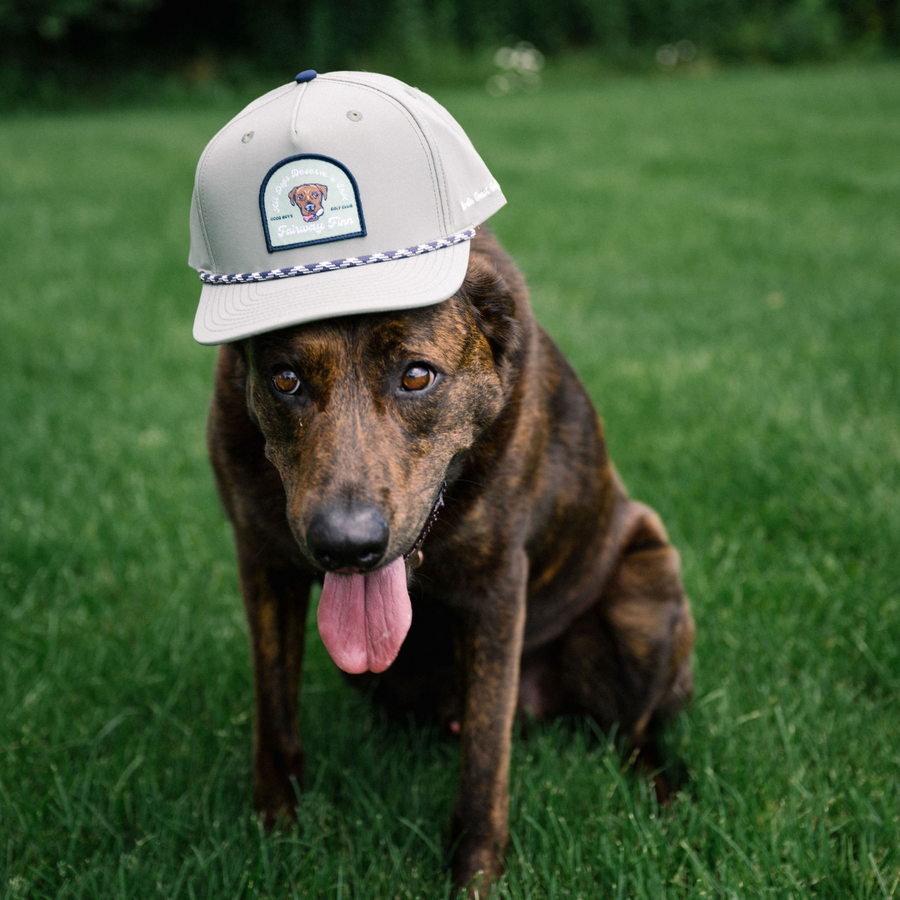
x=308, y=199
x=364, y=415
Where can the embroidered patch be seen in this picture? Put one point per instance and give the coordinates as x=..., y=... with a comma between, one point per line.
x=309, y=199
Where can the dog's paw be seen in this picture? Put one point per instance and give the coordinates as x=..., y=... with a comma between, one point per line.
x=475, y=873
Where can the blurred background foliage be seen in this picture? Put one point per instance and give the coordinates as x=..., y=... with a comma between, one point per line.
x=52, y=51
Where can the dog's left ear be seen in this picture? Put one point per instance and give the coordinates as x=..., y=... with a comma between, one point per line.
x=494, y=306
x=324, y=190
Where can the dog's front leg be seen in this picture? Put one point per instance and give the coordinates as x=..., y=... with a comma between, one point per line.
x=276, y=600
x=489, y=653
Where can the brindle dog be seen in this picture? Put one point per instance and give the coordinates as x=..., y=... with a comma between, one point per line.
x=540, y=585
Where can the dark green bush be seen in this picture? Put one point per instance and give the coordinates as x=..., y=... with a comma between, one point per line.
x=61, y=45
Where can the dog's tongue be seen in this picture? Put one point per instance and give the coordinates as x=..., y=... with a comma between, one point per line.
x=363, y=619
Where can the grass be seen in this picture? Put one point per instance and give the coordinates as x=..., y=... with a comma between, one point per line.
x=720, y=258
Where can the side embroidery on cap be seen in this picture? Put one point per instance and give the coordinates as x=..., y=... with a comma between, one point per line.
x=486, y=191
x=309, y=199
x=347, y=263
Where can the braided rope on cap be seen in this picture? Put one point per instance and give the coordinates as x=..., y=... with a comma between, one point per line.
x=347, y=263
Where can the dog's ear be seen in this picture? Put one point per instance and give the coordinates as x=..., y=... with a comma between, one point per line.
x=239, y=363
x=494, y=306
x=324, y=191
x=293, y=197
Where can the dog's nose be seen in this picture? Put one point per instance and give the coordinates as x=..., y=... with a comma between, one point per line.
x=348, y=537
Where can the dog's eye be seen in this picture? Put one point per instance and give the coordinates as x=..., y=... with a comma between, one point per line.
x=417, y=377
x=286, y=381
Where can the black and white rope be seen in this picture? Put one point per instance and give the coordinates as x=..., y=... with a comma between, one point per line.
x=347, y=263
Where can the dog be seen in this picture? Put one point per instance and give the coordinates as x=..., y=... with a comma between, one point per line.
x=444, y=474
x=308, y=199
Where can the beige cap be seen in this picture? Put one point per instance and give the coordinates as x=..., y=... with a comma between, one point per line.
x=341, y=193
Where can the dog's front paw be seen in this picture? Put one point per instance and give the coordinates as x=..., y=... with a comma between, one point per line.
x=476, y=871
x=276, y=787
x=276, y=807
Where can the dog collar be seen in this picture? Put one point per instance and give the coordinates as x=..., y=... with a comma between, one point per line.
x=348, y=262
x=438, y=503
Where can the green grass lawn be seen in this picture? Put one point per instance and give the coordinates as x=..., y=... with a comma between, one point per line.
x=721, y=260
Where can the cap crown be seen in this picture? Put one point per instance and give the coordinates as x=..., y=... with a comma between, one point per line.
x=416, y=174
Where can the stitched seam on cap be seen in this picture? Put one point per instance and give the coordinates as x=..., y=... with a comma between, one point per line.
x=438, y=165
x=417, y=130
x=203, y=160
x=295, y=112
x=248, y=314
x=200, y=216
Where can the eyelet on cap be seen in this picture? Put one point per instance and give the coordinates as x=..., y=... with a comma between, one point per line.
x=306, y=75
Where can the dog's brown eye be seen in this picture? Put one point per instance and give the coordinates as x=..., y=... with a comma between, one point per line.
x=417, y=378
x=286, y=381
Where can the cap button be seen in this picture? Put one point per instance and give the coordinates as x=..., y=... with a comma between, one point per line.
x=305, y=76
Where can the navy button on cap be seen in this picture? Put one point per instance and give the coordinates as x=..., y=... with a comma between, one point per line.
x=306, y=75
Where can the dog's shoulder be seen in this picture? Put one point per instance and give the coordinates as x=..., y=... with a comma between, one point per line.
x=547, y=440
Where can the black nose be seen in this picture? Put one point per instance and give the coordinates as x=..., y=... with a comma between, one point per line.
x=344, y=537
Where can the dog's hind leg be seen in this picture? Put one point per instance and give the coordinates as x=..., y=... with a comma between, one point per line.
x=626, y=661
x=276, y=600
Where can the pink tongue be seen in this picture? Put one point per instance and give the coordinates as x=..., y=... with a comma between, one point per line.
x=363, y=619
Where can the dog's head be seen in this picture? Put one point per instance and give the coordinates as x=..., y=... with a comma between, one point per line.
x=308, y=199
x=365, y=416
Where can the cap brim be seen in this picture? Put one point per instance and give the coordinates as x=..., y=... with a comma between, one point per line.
x=230, y=312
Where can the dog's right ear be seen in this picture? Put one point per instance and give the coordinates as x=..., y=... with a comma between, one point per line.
x=238, y=363
x=239, y=369
x=232, y=378
x=494, y=305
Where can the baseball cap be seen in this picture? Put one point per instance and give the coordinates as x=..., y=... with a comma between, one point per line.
x=341, y=193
